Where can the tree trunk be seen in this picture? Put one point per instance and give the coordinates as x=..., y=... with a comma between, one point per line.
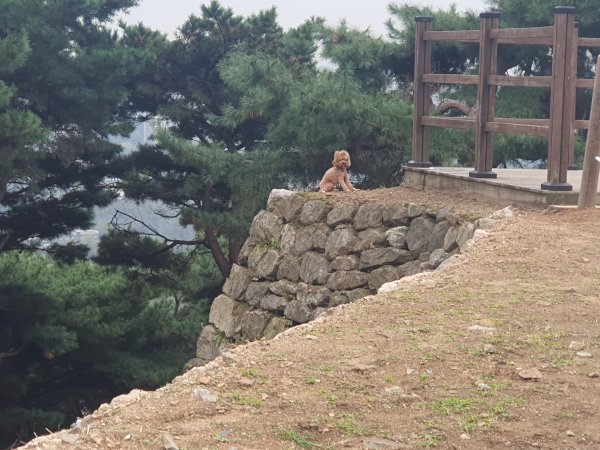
x=235, y=247
x=217, y=252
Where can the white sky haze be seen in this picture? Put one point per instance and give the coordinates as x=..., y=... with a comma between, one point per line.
x=168, y=15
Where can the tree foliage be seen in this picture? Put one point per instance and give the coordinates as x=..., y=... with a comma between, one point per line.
x=81, y=332
x=63, y=82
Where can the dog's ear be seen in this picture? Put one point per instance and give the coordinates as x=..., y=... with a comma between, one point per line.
x=336, y=156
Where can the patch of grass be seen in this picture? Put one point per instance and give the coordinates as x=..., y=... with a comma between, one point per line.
x=452, y=405
x=247, y=401
x=311, y=380
x=468, y=423
x=545, y=340
x=348, y=425
x=332, y=398
x=388, y=378
x=562, y=359
x=273, y=244
x=405, y=296
x=288, y=434
x=326, y=369
x=249, y=373
x=430, y=440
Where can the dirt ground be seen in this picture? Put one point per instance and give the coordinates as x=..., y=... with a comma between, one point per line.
x=501, y=350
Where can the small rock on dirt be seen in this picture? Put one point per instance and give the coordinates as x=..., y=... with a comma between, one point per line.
x=530, y=374
x=205, y=395
x=576, y=345
x=481, y=329
x=169, y=442
x=381, y=444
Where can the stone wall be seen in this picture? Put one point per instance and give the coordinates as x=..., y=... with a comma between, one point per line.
x=306, y=253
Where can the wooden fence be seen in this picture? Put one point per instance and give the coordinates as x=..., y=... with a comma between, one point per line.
x=558, y=130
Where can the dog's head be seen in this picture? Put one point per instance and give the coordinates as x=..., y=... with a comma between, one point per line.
x=341, y=159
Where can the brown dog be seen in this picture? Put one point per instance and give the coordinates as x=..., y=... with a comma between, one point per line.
x=338, y=174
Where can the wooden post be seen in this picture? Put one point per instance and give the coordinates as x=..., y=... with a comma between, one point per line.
x=486, y=97
x=561, y=96
x=591, y=165
x=573, y=103
x=420, y=144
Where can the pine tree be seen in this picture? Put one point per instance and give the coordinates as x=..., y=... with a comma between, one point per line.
x=64, y=81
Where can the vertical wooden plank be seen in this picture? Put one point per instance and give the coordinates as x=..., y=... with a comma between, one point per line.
x=559, y=140
x=573, y=103
x=422, y=53
x=591, y=166
x=483, y=139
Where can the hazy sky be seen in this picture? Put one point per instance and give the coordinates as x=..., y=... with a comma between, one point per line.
x=168, y=15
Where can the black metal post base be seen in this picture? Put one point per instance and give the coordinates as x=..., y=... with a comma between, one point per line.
x=561, y=187
x=476, y=174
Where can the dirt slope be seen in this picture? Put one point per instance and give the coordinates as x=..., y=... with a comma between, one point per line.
x=437, y=364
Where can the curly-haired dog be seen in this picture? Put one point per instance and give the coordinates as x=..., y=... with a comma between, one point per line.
x=338, y=174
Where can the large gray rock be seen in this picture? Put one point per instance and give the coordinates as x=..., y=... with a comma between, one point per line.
x=357, y=294
x=237, y=282
x=376, y=257
x=419, y=234
x=313, y=237
x=346, y=280
x=254, y=323
x=266, y=228
x=276, y=325
x=342, y=213
x=340, y=241
x=226, y=314
x=255, y=291
x=450, y=243
x=442, y=214
x=396, y=237
x=297, y=312
x=285, y=204
x=340, y=297
x=383, y=275
x=465, y=233
x=438, y=235
x=304, y=240
x=207, y=346
x=272, y=302
x=370, y=238
x=314, y=268
x=437, y=257
x=283, y=288
x=314, y=211
x=395, y=215
x=321, y=234
x=410, y=268
x=264, y=262
x=369, y=215
x=313, y=296
x=413, y=210
x=344, y=262
x=288, y=237
x=289, y=268
x=245, y=251
x=486, y=224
